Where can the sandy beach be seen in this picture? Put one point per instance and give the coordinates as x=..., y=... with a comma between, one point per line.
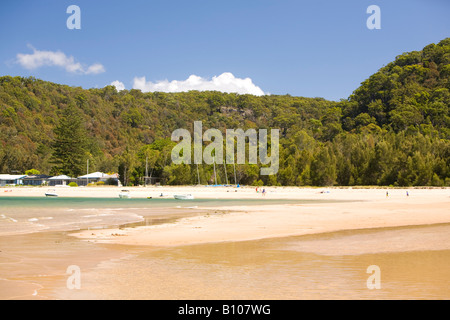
x=345, y=209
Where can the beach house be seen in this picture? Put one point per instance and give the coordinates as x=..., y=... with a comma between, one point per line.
x=108, y=179
x=62, y=180
x=11, y=180
x=59, y=181
x=36, y=180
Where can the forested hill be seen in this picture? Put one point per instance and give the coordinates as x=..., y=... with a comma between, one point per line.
x=393, y=130
x=412, y=91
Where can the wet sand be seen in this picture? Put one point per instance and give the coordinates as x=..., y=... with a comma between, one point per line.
x=33, y=265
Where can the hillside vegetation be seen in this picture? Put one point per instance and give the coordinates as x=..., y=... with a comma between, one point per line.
x=393, y=130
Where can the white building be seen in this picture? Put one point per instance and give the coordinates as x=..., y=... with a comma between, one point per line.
x=59, y=181
x=97, y=177
x=11, y=180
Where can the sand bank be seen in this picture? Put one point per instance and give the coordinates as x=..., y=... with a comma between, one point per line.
x=361, y=209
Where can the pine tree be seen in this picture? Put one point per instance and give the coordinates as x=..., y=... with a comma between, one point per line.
x=69, y=147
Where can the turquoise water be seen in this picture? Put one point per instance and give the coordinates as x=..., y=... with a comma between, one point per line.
x=24, y=202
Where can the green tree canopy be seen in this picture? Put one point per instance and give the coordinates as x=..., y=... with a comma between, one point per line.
x=69, y=146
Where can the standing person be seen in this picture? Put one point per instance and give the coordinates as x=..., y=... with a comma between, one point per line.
x=264, y=192
x=387, y=194
x=407, y=193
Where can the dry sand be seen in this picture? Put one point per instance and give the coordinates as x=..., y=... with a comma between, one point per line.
x=353, y=209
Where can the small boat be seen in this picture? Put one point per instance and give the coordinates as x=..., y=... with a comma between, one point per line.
x=51, y=193
x=124, y=194
x=184, y=196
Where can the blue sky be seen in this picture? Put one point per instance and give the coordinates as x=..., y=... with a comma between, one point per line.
x=303, y=48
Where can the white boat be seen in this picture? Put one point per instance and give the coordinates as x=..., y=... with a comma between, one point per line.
x=51, y=193
x=124, y=194
x=184, y=196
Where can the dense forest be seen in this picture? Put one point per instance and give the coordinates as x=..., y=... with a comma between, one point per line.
x=393, y=130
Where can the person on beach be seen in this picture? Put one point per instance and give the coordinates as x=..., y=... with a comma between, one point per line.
x=264, y=192
x=387, y=194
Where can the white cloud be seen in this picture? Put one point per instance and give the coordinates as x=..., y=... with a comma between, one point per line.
x=119, y=85
x=226, y=82
x=40, y=58
x=96, y=68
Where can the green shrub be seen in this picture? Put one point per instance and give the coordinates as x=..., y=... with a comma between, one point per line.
x=73, y=184
x=258, y=183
